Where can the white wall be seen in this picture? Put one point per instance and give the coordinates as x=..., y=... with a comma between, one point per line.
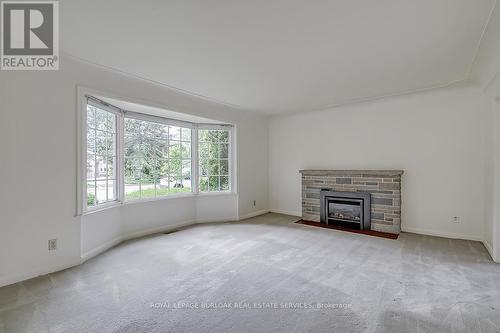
x=38, y=149
x=436, y=137
x=486, y=73
x=492, y=224
x=489, y=173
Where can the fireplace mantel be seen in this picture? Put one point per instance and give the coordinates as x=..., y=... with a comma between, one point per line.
x=384, y=187
x=353, y=172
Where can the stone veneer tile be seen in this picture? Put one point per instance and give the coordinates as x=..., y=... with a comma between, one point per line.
x=343, y=180
x=384, y=186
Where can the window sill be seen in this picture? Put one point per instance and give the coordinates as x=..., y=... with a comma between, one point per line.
x=116, y=204
x=209, y=194
x=166, y=197
x=101, y=208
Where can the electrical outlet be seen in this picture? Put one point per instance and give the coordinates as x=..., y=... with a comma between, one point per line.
x=52, y=244
x=254, y=203
x=456, y=219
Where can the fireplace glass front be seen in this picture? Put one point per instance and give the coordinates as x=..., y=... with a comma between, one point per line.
x=345, y=210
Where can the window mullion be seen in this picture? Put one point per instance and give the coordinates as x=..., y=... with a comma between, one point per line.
x=195, y=165
x=120, y=157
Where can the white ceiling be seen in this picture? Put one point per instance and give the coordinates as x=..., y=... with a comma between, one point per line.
x=281, y=56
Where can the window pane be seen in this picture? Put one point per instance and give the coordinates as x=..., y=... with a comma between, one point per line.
x=101, y=167
x=148, y=171
x=203, y=150
x=177, y=183
x=90, y=116
x=101, y=191
x=154, y=131
x=164, y=182
x=111, y=190
x=204, y=168
x=110, y=122
x=224, y=183
x=132, y=190
x=214, y=150
x=224, y=150
x=186, y=175
x=90, y=167
x=111, y=163
x=132, y=130
x=224, y=136
x=110, y=144
x=202, y=135
x=91, y=137
x=174, y=133
x=132, y=171
x=147, y=189
x=161, y=190
x=101, y=143
x=174, y=167
x=164, y=133
x=101, y=118
x=213, y=183
x=186, y=150
x=204, y=184
x=224, y=167
x=174, y=150
x=186, y=169
x=186, y=134
x=213, y=167
x=213, y=136
x=91, y=199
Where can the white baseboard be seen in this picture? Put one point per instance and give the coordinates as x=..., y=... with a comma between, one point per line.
x=444, y=234
x=214, y=219
x=278, y=211
x=156, y=230
x=253, y=214
x=8, y=280
x=100, y=249
x=489, y=248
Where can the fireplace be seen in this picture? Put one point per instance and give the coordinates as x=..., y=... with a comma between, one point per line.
x=384, y=187
x=347, y=209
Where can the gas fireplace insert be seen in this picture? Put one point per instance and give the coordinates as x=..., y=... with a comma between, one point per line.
x=347, y=209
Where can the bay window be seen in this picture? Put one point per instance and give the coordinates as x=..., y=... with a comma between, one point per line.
x=134, y=156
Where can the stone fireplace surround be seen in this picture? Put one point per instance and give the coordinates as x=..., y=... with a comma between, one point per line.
x=383, y=185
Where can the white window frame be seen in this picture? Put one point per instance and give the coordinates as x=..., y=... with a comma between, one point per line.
x=83, y=97
x=229, y=157
x=88, y=100
x=160, y=120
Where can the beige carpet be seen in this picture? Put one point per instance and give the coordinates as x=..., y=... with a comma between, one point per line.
x=265, y=274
